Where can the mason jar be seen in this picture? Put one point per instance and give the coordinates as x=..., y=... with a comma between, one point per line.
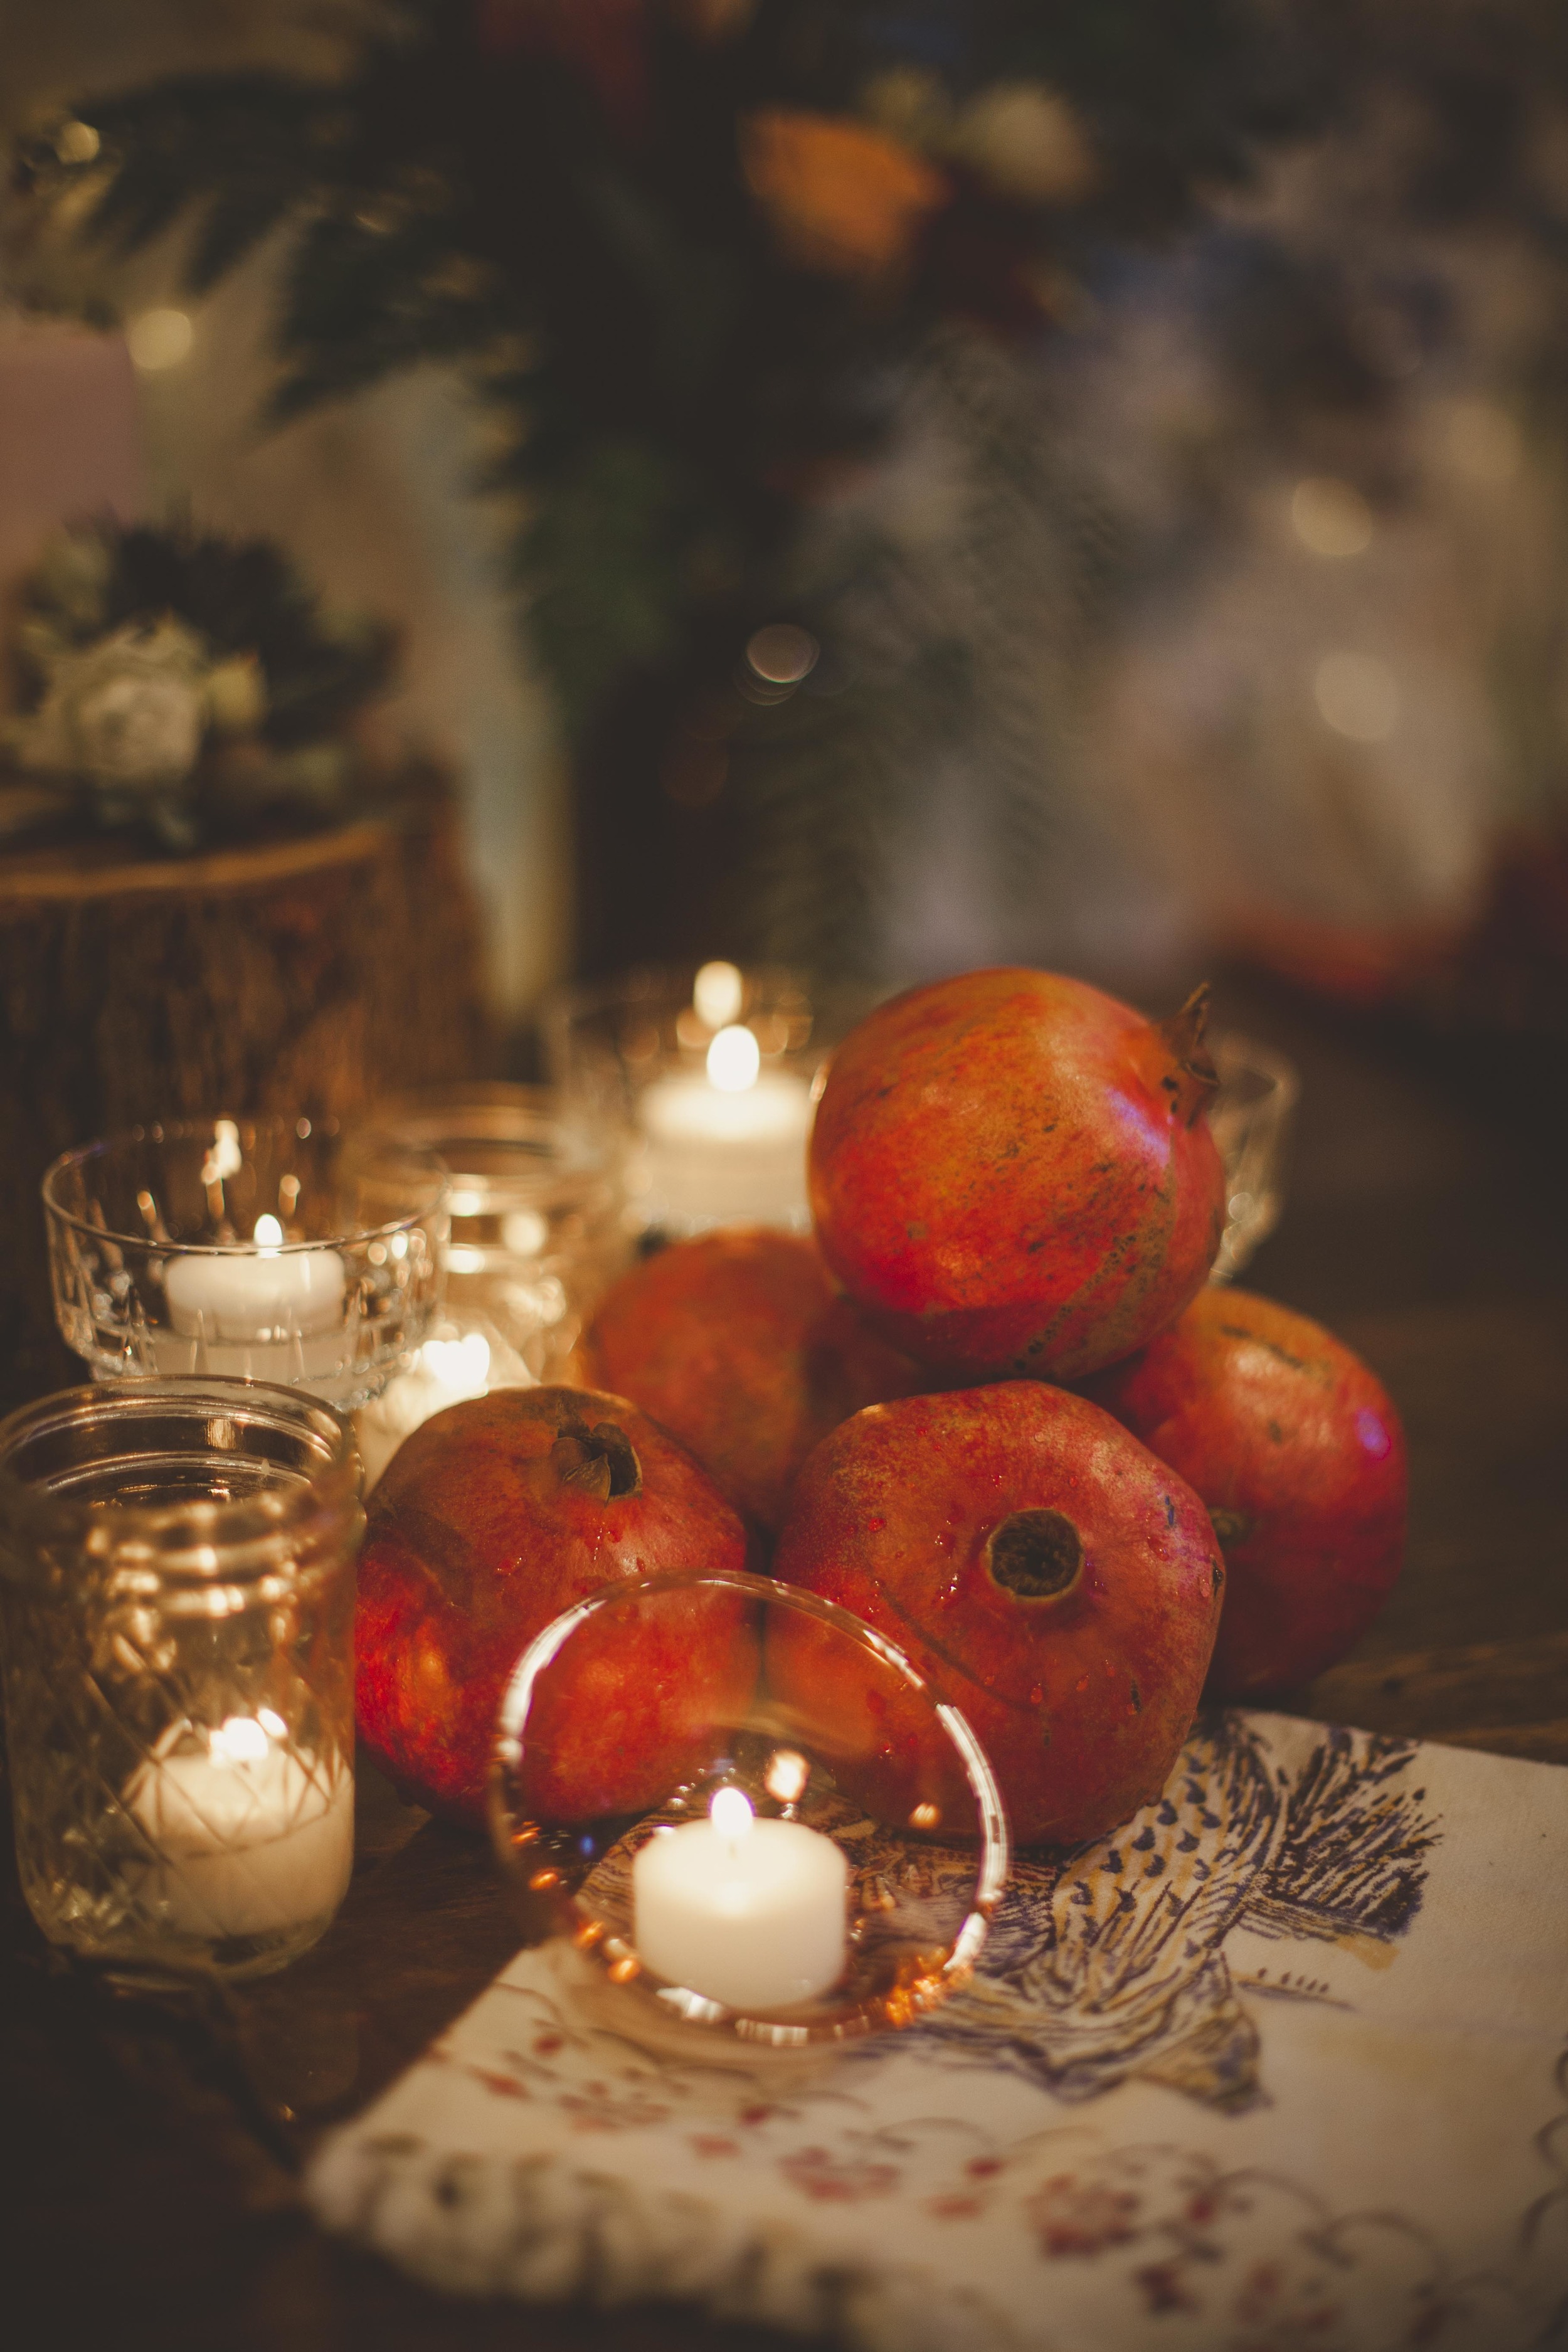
x=177, y=1577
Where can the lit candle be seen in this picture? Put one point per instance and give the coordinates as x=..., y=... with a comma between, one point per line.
x=752, y=1914
x=729, y=1144
x=444, y=1372
x=255, y=1294
x=247, y=1841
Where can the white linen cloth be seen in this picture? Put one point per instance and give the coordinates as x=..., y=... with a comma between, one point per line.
x=1279, y=2065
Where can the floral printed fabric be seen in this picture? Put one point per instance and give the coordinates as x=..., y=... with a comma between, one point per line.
x=1280, y=2065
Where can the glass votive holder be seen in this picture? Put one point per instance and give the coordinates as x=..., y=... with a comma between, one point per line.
x=1249, y=1119
x=265, y=1249
x=178, y=1583
x=749, y=1811
x=707, y=1076
x=536, y=1215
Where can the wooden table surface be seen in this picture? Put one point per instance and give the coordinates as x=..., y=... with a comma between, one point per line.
x=156, y=2148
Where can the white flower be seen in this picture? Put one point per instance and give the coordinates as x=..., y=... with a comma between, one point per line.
x=126, y=713
x=1026, y=142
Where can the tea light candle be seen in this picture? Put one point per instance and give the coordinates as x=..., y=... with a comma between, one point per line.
x=445, y=1371
x=729, y=1144
x=750, y=1913
x=259, y=1293
x=248, y=1843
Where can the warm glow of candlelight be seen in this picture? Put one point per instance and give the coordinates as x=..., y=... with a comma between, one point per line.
x=718, y=994
x=268, y=1234
x=734, y=1059
x=731, y=1814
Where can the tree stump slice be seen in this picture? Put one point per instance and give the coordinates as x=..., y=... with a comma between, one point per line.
x=313, y=976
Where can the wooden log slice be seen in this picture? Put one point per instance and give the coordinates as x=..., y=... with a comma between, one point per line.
x=313, y=975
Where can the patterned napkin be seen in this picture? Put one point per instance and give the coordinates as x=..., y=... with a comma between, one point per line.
x=1279, y=2065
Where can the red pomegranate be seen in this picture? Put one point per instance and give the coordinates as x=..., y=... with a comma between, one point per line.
x=1297, y=1450
x=489, y=1521
x=1059, y=1584
x=1011, y=1172
x=737, y=1343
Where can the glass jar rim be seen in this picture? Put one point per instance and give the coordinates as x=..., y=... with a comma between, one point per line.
x=183, y=1130
x=498, y=1114
x=185, y=1536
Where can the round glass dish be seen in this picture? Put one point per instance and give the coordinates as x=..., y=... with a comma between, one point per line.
x=267, y=1249
x=748, y=1808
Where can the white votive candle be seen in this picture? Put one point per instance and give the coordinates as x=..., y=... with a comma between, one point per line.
x=728, y=1143
x=259, y=1294
x=247, y=1841
x=444, y=1372
x=753, y=1914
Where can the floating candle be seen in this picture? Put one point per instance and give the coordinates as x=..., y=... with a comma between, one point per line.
x=750, y=1913
x=247, y=1841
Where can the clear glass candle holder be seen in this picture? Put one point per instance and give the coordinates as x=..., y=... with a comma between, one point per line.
x=750, y=1810
x=1249, y=1119
x=537, y=1215
x=707, y=1078
x=265, y=1249
x=176, y=1577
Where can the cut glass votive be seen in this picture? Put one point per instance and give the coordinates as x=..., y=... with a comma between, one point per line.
x=176, y=1579
x=265, y=1249
x=748, y=1809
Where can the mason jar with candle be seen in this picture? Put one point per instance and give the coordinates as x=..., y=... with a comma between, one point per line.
x=707, y=1076
x=176, y=1579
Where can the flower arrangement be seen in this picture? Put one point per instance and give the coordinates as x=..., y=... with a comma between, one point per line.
x=683, y=247
x=186, y=686
x=700, y=259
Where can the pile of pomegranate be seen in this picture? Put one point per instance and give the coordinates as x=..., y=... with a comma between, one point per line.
x=992, y=1408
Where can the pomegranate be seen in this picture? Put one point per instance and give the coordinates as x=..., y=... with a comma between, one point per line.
x=737, y=1343
x=1059, y=1584
x=1011, y=1172
x=1296, y=1448
x=491, y=1520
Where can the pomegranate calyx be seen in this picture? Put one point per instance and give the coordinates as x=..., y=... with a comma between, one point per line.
x=1034, y=1555
x=1196, y=1081
x=601, y=1461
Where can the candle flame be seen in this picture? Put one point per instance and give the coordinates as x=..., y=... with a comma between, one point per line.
x=717, y=994
x=731, y=1814
x=268, y=1234
x=238, y=1739
x=733, y=1060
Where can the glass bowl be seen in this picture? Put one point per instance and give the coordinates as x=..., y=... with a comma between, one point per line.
x=1250, y=1119
x=748, y=1809
x=267, y=1249
x=705, y=1076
